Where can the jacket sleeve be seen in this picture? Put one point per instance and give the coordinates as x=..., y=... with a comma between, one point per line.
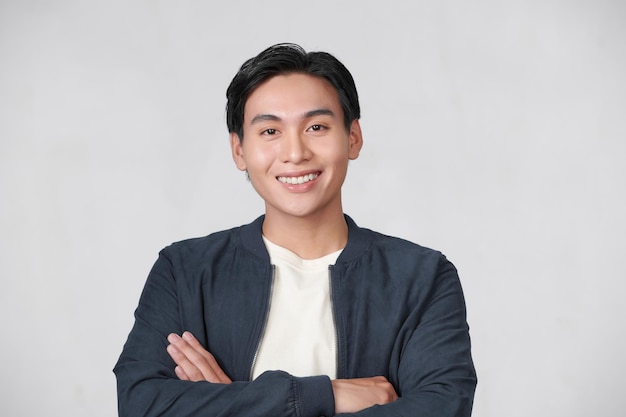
x=148, y=386
x=435, y=376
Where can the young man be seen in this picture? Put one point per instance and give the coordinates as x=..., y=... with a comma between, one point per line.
x=300, y=313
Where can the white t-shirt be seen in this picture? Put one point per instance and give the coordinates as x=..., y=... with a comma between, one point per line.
x=299, y=336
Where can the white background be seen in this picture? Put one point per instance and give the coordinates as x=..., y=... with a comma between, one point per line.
x=494, y=131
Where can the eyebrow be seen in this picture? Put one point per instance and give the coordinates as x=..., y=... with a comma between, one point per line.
x=263, y=117
x=319, y=112
x=312, y=113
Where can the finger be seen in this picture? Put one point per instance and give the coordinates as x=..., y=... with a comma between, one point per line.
x=177, y=356
x=180, y=373
x=192, y=341
x=209, y=358
x=185, y=367
x=196, y=361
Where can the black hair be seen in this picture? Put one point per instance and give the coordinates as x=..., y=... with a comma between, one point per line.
x=285, y=58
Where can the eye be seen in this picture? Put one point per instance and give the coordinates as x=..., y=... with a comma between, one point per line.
x=269, y=132
x=317, y=128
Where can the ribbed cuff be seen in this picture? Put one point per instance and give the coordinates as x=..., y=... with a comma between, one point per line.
x=314, y=396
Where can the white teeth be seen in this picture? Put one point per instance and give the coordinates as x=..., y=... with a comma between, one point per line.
x=297, y=180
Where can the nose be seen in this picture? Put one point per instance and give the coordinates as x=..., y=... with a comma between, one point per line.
x=294, y=148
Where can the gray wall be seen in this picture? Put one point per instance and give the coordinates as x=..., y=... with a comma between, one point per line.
x=494, y=132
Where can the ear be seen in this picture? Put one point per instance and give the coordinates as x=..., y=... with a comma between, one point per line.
x=237, y=151
x=355, y=140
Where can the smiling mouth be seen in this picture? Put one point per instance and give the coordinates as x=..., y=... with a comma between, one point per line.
x=298, y=180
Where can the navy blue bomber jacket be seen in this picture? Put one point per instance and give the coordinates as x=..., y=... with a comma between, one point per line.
x=399, y=312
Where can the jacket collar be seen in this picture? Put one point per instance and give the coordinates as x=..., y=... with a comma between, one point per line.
x=359, y=240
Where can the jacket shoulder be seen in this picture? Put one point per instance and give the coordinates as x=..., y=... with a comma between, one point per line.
x=395, y=246
x=199, y=246
x=403, y=245
x=218, y=244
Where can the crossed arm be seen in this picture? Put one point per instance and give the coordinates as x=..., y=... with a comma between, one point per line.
x=194, y=363
x=432, y=364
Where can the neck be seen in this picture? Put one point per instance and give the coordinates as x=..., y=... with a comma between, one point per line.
x=311, y=237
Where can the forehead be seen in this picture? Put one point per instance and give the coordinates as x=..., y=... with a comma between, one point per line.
x=290, y=95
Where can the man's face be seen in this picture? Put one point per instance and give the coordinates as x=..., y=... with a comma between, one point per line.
x=296, y=147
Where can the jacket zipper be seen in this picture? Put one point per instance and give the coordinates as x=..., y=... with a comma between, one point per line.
x=334, y=315
x=265, y=320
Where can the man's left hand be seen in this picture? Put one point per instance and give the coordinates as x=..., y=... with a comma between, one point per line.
x=194, y=362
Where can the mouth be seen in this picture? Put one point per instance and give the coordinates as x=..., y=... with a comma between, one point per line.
x=298, y=180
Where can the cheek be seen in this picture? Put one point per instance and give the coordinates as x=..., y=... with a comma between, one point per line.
x=337, y=155
x=258, y=158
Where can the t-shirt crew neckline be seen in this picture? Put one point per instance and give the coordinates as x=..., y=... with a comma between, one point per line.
x=279, y=253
